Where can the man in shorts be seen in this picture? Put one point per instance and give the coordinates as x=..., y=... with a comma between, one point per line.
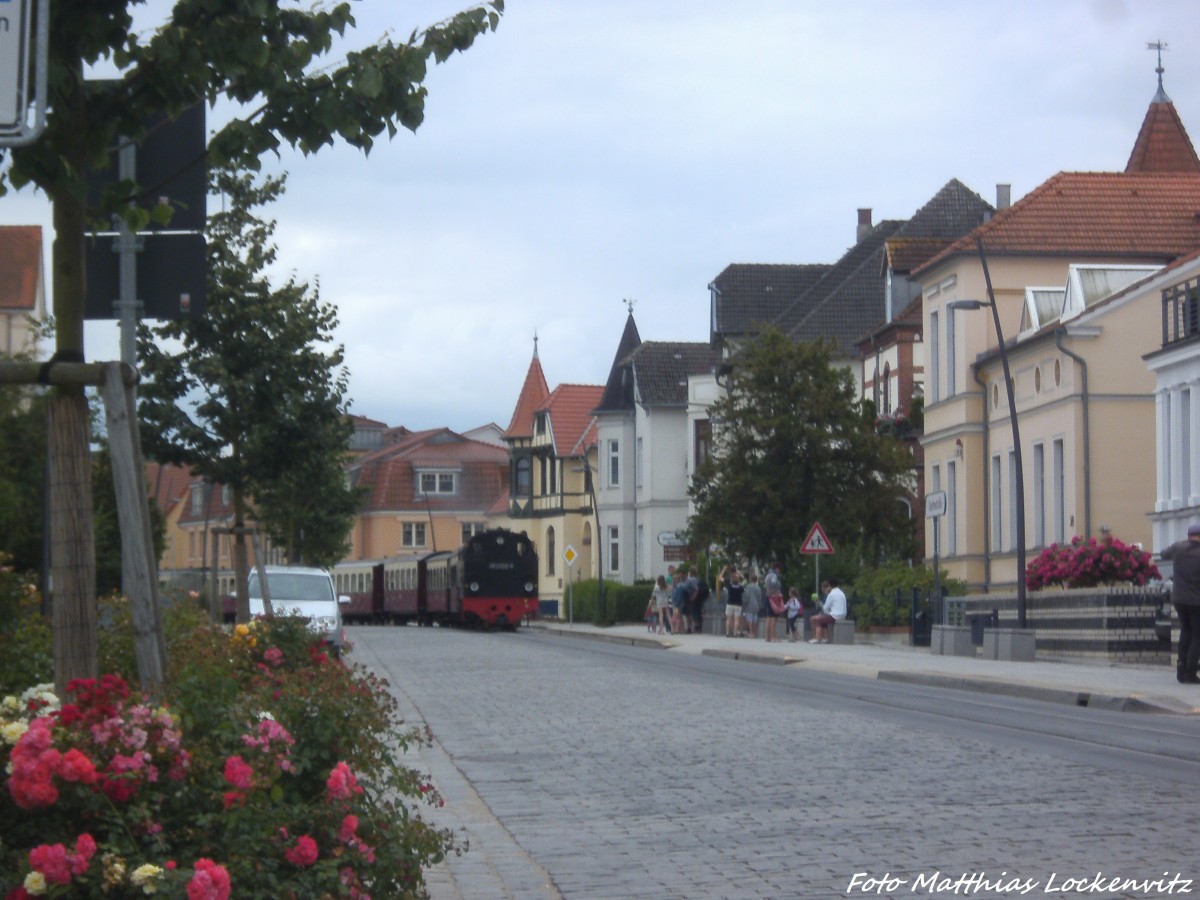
x=733, y=603
x=833, y=610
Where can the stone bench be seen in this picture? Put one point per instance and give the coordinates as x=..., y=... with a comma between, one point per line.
x=842, y=632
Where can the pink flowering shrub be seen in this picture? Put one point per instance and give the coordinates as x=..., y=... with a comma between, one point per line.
x=266, y=768
x=1090, y=563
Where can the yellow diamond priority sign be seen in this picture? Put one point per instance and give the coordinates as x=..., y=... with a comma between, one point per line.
x=569, y=555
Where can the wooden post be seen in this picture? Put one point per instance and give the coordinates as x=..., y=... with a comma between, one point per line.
x=139, y=569
x=72, y=544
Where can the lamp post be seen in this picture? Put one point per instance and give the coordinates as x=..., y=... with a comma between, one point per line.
x=590, y=484
x=1019, y=468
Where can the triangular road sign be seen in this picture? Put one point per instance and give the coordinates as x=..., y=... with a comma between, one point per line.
x=816, y=542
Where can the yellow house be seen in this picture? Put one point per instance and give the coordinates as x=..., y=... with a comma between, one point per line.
x=1064, y=263
x=552, y=484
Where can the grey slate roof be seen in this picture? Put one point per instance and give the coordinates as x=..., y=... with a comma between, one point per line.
x=849, y=300
x=661, y=369
x=617, y=396
x=750, y=294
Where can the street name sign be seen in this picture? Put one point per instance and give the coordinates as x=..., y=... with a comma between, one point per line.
x=16, y=19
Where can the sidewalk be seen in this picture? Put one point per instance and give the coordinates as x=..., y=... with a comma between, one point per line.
x=1130, y=688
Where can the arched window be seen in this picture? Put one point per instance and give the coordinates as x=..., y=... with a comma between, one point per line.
x=887, y=388
x=551, y=551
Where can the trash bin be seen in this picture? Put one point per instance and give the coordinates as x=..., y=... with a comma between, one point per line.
x=921, y=629
x=980, y=621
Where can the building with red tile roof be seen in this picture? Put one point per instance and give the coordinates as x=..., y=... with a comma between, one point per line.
x=1064, y=264
x=425, y=490
x=22, y=287
x=551, y=442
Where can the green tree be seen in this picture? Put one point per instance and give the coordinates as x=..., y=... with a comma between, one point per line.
x=252, y=400
x=22, y=476
x=792, y=447
x=270, y=59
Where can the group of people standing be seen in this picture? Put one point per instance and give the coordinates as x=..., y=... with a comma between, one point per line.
x=676, y=605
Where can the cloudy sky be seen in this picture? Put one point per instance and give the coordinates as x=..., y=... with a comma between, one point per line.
x=590, y=153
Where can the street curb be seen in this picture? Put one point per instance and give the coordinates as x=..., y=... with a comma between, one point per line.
x=611, y=638
x=1029, y=691
x=752, y=657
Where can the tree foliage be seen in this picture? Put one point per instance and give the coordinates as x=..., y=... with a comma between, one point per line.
x=22, y=477
x=255, y=398
x=791, y=447
x=271, y=62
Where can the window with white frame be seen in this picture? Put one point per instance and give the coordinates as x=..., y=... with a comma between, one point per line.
x=935, y=349
x=470, y=529
x=413, y=534
x=997, y=509
x=614, y=549
x=1058, y=477
x=614, y=463
x=1012, y=500
x=951, y=508
x=551, y=550
x=951, y=357
x=935, y=485
x=198, y=493
x=1185, y=446
x=1039, y=495
x=437, y=482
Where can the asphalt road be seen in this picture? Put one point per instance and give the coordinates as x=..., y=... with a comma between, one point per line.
x=587, y=770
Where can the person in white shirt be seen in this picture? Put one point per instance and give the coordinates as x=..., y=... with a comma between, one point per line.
x=833, y=610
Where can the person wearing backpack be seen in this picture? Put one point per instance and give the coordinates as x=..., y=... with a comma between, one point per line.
x=773, y=588
x=699, y=594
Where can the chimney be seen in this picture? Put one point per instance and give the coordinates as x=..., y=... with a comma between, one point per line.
x=864, y=224
x=1003, y=196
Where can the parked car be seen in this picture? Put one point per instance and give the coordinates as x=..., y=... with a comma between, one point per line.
x=299, y=591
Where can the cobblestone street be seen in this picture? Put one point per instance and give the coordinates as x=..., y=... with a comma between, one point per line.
x=579, y=776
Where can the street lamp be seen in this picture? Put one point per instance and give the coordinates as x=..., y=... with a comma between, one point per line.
x=1019, y=473
x=597, y=541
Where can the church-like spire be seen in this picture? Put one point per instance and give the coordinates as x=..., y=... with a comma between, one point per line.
x=1162, y=145
x=533, y=396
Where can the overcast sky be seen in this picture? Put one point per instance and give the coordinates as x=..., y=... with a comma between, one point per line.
x=589, y=153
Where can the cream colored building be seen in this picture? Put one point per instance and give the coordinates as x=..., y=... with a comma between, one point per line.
x=1064, y=264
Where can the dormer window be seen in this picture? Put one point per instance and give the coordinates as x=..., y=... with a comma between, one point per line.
x=437, y=482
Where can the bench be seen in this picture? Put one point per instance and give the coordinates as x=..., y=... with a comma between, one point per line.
x=842, y=632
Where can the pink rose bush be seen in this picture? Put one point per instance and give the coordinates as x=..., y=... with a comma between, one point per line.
x=1090, y=563
x=266, y=768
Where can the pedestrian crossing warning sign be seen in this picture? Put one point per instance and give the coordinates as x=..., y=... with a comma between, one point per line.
x=816, y=542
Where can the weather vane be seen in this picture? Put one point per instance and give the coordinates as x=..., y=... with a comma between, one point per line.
x=629, y=301
x=1160, y=46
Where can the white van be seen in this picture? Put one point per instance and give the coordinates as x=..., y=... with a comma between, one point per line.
x=298, y=591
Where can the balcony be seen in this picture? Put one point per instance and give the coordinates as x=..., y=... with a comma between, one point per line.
x=1181, y=312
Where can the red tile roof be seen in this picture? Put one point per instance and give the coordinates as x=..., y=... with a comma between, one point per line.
x=1163, y=145
x=167, y=484
x=1095, y=214
x=533, y=396
x=570, y=407
x=389, y=474
x=20, y=266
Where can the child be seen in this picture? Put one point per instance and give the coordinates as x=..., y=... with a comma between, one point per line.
x=651, y=615
x=793, y=613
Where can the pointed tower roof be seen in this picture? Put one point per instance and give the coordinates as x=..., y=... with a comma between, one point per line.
x=615, y=396
x=534, y=394
x=1162, y=145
